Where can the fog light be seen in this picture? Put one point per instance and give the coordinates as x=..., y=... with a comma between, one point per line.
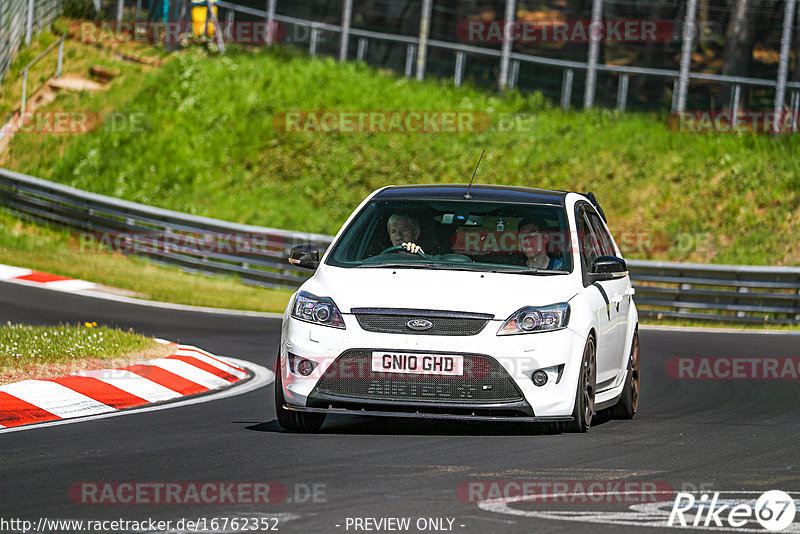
x=306, y=367
x=539, y=378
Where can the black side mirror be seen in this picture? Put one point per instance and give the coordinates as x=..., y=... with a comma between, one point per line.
x=306, y=256
x=608, y=268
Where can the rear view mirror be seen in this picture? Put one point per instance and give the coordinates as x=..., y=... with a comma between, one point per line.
x=462, y=219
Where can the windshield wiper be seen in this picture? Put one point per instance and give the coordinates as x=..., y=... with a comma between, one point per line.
x=460, y=267
x=396, y=265
x=529, y=270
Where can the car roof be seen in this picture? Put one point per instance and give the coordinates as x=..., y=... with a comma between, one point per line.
x=480, y=193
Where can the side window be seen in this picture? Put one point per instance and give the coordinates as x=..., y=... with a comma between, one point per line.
x=606, y=243
x=588, y=242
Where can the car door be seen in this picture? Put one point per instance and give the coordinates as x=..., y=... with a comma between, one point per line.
x=599, y=296
x=619, y=295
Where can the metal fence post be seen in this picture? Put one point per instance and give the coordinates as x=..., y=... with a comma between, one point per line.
x=60, y=58
x=735, y=105
x=686, y=54
x=347, y=14
x=411, y=51
x=29, y=25
x=459, y=74
x=783, y=65
x=622, y=92
x=312, y=45
x=424, y=33
x=362, y=49
x=566, y=88
x=505, y=58
x=24, y=90
x=120, y=9
x=230, y=17
x=271, y=21
x=216, y=25
x=675, y=85
x=513, y=76
x=594, y=52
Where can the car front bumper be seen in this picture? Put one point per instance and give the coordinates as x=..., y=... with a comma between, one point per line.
x=519, y=355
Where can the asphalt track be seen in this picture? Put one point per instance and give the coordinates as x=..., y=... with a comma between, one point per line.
x=720, y=435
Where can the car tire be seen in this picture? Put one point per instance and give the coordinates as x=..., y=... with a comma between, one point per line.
x=583, y=412
x=289, y=420
x=628, y=403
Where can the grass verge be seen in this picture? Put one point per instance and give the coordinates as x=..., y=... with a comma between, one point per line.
x=37, y=352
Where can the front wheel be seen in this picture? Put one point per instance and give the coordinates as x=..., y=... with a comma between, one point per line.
x=583, y=413
x=628, y=402
x=294, y=421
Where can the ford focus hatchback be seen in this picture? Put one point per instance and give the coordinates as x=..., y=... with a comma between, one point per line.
x=486, y=303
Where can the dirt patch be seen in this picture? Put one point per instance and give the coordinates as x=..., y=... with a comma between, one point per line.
x=74, y=82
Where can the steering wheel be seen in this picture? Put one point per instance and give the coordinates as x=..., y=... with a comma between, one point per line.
x=398, y=248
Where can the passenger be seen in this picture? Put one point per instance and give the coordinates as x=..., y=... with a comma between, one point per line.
x=404, y=230
x=533, y=241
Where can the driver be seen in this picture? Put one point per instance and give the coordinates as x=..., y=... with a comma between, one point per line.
x=404, y=231
x=533, y=241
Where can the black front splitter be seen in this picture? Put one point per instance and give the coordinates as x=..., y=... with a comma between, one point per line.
x=426, y=415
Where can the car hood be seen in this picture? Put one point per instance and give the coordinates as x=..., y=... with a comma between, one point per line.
x=428, y=289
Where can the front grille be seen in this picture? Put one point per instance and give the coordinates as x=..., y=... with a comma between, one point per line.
x=483, y=380
x=391, y=321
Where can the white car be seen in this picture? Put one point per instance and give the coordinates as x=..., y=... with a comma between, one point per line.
x=488, y=303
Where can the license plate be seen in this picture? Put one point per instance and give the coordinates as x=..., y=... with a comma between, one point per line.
x=420, y=364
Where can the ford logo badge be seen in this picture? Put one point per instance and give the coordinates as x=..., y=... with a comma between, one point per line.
x=419, y=324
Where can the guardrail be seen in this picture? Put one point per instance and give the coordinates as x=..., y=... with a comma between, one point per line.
x=198, y=244
x=742, y=294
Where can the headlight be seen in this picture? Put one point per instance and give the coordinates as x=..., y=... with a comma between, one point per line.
x=532, y=319
x=317, y=310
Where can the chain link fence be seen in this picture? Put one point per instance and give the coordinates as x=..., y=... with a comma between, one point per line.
x=710, y=55
x=19, y=21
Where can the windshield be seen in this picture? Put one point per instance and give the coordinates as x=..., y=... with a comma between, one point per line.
x=457, y=234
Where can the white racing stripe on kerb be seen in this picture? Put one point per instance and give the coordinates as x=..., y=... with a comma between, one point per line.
x=70, y=285
x=7, y=272
x=55, y=398
x=213, y=362
x=190, y=372
x=134, y=384
x=212, y=356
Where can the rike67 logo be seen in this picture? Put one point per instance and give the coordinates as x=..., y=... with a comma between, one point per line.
x=774, y=510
